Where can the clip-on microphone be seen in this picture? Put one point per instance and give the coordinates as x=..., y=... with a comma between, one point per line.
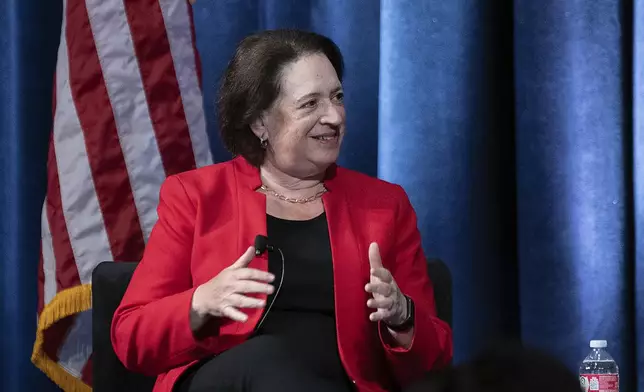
x=261, y=246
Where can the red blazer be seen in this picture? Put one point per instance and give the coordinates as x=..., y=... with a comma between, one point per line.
x=208, y=218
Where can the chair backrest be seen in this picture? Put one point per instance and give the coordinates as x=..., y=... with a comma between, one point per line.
x=441, y=278
x=109, y=282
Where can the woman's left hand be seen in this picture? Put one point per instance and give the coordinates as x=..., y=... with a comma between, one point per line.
x=388, y=300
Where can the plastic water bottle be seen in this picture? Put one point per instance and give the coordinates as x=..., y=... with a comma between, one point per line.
x=599, y=372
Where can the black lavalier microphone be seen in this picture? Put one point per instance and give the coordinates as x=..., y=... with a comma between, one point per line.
x=262, y=245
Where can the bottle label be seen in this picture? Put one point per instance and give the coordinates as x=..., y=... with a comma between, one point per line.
x=599, y=382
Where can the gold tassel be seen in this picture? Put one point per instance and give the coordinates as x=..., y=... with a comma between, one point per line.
x=66, y=303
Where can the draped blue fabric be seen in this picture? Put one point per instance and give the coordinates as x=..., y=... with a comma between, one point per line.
x=445, y=135
x=575, y=172
x=638, y=187
x=28, y=41
x=516, y=127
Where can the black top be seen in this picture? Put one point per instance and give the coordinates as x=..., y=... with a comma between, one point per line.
x=295, y=348
x=308, y=273
x=304, y=308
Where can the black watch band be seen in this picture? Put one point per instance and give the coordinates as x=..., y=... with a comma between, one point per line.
x=408, y=322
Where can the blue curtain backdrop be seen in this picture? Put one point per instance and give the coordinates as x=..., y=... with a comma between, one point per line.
x=29, y=33
x=517, y=127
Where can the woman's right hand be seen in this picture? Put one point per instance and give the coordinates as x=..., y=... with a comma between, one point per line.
x=223, y=295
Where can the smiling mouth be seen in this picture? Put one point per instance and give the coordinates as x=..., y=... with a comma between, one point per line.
x=327, y=137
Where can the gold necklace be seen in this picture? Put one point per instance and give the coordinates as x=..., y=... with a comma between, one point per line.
x=291, y=199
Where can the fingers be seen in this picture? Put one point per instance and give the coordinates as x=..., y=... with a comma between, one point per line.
x=242, y=301
x=238, y=301
x=253, y=274
x=382, y=287
x=379, y=288
x=245, y=259
x=374, y=256
x=252, y=287
x=234, y=314
x=381, y=314
x=381, y=303
x=383, y=274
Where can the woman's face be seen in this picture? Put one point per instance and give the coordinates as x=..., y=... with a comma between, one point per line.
x=306, y=124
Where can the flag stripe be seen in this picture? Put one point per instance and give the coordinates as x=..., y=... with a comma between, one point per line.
x=67, y=274
x=193, y=34
x=41, y=283
x=105, y=180
x=49, y=261
x=55, y=336
x=86, y=374
x=47, y=286
x=65, y=261
x=66, y=270
x=77, y=346
x=126, y=94
x=160, y=83
x=70, y=191
x=176, y=14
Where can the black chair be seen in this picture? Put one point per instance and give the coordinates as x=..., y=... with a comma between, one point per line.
x=109, y=282
x=441, y=277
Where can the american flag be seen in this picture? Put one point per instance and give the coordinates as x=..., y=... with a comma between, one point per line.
x=128, y=112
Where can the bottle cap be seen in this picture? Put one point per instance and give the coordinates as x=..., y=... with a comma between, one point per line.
x=598, y=344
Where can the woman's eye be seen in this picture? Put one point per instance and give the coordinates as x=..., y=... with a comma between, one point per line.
x=339, y=97
x=309, y=104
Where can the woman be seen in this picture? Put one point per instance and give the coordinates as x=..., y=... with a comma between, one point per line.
x=342, y=302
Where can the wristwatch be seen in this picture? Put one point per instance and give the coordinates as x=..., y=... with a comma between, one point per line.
x=408, y=322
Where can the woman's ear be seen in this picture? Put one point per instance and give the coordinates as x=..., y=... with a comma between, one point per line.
x=258, y=128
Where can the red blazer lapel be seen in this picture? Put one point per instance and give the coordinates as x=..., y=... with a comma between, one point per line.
x=350, y=272
x=251, y=213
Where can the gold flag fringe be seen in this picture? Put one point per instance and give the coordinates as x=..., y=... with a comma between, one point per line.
x=66, y=303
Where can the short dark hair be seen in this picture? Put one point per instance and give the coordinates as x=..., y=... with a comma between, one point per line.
x=251, y=82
